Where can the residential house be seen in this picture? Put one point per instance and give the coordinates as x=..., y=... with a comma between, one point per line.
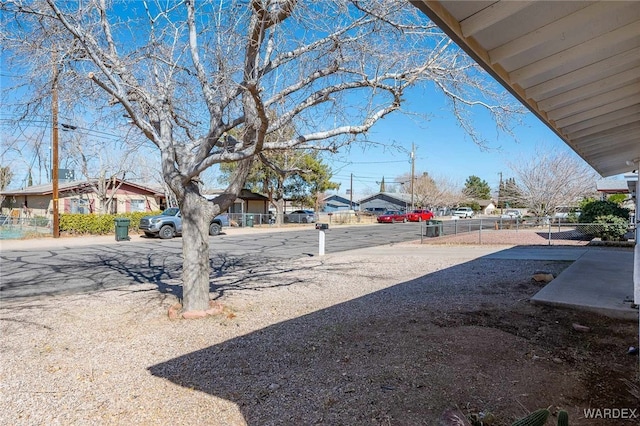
x=335, y=202
x=486, y=206
x=612, y=186
x=387, y=201
x=627, y=186
x=80, y=197
x=246, y=202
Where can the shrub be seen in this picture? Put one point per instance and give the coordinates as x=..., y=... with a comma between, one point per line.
x=611, y=228
x=87, y=223
x=593, y=209
x=617, y=198
x=98, y=224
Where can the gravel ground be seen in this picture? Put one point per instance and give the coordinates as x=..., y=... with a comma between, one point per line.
x=352, y=338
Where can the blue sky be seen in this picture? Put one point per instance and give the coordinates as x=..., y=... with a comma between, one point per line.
x=442, y=148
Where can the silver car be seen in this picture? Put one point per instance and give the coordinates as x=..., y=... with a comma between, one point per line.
x=301, y=216
x=511, y=214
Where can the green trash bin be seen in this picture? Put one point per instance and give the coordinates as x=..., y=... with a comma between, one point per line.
x=250, y=220
x=122, y=228
x=434, y=228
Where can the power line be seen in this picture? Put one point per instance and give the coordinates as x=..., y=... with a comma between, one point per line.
x=368, y=162
x=42, y=124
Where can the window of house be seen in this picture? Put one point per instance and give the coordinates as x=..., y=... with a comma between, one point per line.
x=137, y=206
x=79, y=206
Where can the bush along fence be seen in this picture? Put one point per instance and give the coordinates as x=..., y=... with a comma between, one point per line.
x=606, y=228
x=99, y=224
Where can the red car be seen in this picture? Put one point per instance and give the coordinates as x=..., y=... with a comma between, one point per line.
x=420, y=215
x=392, y=216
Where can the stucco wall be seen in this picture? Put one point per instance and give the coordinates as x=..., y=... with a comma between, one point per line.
x=42, y=205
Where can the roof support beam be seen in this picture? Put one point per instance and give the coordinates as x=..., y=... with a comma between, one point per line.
x=619, y=122
x=588, y=115
x=600, y=47
x=489, y=16
x=592, y=89
x=609, y=150
x=619, y=133
x=591, y=103
x=588, y=74
x=553, y=31
x=620, y=114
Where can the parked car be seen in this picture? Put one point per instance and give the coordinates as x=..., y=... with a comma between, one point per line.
x=376, y=211
x=169, y=224
x=511, y=214
x=223, y=219
x=463, y=212
x=420, y=215
x=392, y=216
x=301, y=216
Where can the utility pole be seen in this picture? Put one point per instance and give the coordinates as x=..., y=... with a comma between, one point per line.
x=413, y=172
x=351, y=194
x=54, y=146
x=499, y=190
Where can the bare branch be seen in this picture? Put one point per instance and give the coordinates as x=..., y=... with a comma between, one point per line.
x=550, y=179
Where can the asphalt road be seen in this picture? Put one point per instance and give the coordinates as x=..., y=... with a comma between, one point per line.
x=72, y=269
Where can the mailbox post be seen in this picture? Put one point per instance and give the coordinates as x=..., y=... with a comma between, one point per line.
x=321, y=227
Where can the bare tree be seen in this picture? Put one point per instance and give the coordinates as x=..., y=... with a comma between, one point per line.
x=5, y=180
x=25, y=152
x=432, y=192
x=200, y=81
x=550, y=179
x=103, y=170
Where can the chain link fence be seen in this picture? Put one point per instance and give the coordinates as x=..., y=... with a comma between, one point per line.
x=270, y=219
x=14, y=227
x=552, y=232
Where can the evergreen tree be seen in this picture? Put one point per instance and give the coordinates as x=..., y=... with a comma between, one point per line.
x=295, y=174
x=477, y=188
x=509, y=194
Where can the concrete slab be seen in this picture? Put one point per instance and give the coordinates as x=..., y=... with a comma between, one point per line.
x=600, y=280
x=569, y=253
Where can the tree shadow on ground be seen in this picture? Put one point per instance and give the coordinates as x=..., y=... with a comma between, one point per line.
x=460, y=336
x=570, y=235
x=96, y=268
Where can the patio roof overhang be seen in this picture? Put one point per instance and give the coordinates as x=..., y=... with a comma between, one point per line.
x=574, y=64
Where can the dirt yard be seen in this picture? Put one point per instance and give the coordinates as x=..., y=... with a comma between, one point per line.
x=350, y=339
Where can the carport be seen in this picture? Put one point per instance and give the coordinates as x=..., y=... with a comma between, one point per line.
x=574, y=64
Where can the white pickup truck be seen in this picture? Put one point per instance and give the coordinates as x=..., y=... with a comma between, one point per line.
x=463, y=212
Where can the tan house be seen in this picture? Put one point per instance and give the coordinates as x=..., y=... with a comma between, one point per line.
x=247, y=202
x=80, y=197
x=487, y=207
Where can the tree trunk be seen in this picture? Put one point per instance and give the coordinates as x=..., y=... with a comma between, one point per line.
x=279, y=200
x=279, y=204
x=195, y=250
